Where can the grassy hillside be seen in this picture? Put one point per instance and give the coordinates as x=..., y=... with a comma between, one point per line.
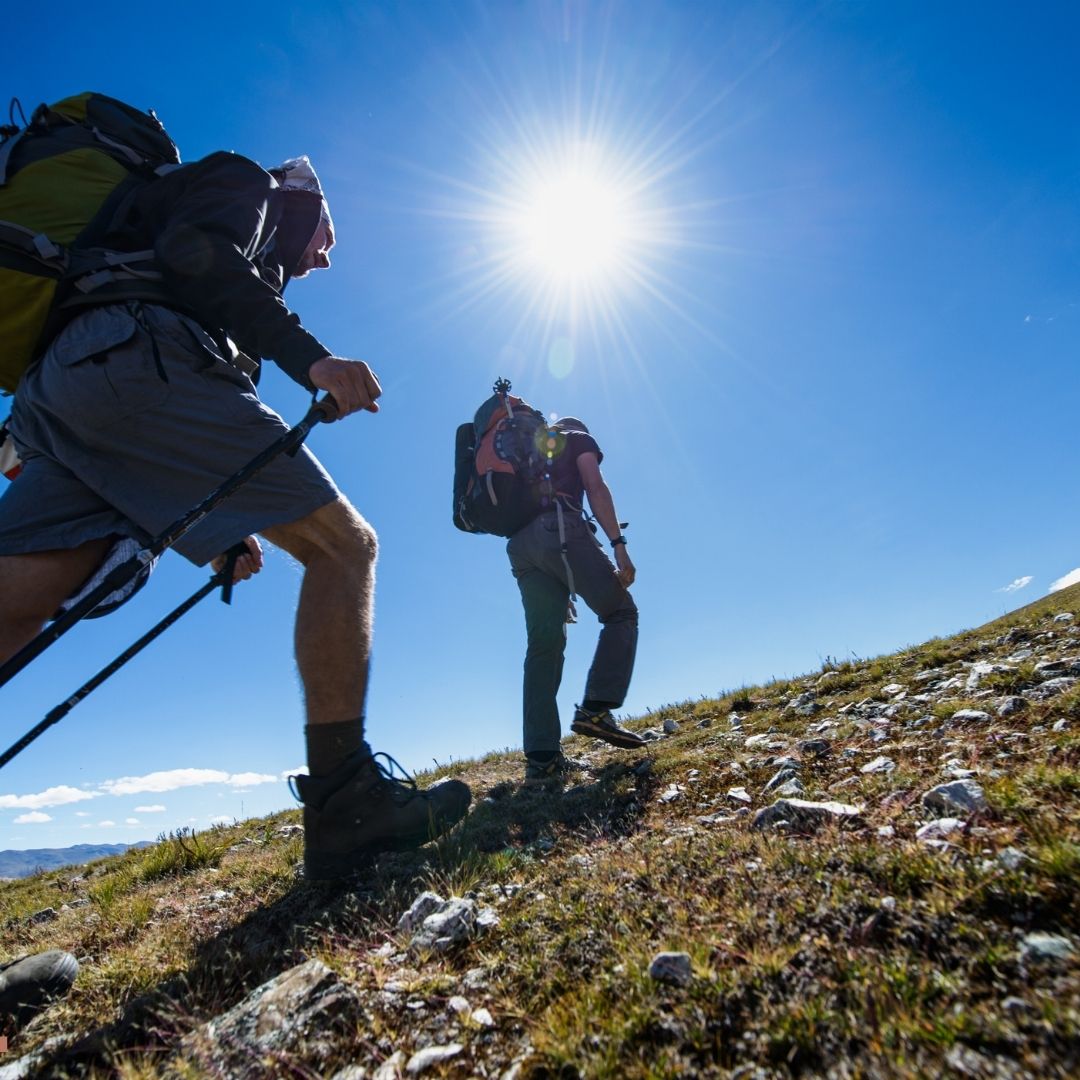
x=857, y=948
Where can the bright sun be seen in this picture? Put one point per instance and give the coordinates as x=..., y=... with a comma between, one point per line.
x=573, y=227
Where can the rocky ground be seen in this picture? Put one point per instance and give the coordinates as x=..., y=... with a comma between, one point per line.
x=868, y=871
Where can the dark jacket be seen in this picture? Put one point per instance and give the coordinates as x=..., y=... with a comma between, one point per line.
x=226, y=239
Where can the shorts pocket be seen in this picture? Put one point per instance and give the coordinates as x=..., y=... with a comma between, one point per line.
x=105, y=367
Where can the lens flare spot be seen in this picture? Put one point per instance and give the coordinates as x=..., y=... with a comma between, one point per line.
x=561, y=358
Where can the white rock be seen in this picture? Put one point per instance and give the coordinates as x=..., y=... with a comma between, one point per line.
x=1038, y=945
x=739, y=794
x=671, y=794
x=482, y=1018
x=422, y=907
x=886, y=831
x=1012, y=858
x=424, y=1059
x=391, y=1068
x=969, y=716
x=893, y=689
x=458, y=1005
x=804, y=814
x=936, y=830
x=961, y=796
x=1064, y=617
x=879, y=765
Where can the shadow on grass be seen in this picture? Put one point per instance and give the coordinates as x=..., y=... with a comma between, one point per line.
x=280, y=935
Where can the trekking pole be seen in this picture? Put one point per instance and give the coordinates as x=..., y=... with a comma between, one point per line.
x=223, y=577
x=289, y=443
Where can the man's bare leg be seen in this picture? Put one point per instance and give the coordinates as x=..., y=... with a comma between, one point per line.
x=353, y=808
x=337, y=549
x=33, y=586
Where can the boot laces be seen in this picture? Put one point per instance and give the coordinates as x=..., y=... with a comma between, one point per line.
x=403, y=786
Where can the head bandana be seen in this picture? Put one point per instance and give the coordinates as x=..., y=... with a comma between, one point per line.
x=298, y=174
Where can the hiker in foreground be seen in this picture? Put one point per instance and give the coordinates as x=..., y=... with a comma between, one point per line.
x=145, y=400
x=519, y=477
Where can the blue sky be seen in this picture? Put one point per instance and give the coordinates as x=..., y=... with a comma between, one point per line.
x=827, y=343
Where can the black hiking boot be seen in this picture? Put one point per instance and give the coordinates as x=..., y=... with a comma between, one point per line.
x=552, y=773
x=29, y=983
x=602, y=725
x=362, y=808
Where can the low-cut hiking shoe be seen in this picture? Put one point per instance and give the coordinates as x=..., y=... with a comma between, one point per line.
x=367, y=806
x=29, y=983
x=602, y=725
x=552, y=773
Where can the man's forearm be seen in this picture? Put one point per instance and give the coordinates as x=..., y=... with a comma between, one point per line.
x=603, y=507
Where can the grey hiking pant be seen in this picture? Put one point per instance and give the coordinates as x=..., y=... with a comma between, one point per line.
x=537, y=562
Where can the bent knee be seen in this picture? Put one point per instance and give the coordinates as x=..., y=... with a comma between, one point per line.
x=336, y=530
x=626, y=612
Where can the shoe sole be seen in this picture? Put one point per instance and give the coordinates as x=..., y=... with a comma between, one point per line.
x=625, y=739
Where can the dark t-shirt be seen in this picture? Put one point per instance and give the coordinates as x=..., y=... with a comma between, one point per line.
x=567, y=448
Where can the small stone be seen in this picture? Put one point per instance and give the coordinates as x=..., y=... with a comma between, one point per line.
x=391, y=1068
x=815, y=747
x=892, y=689
x=804, y=814
x=422, y=907
x=1060, y=725
x=961, y=796
x=780, y=778
x=430, y=1056
x=879, y=765
x=1064, y=617
x=1012, y=858
x=790, y=789
x=671, y=726
x=673, y=792
x=888, y=903
x=1052, y=687
x=936, y=830
x=1039, y=946
x=739, y=794
x=969, y=716
x=458, y=1005
x=885, y=831
x=482, y=1018
x=671, y=967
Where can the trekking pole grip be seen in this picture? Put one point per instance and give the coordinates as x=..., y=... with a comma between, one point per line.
x=327, y=408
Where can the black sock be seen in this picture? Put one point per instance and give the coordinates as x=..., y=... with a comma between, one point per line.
x=594, y=706
x=328, y=745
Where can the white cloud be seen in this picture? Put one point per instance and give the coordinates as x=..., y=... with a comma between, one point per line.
x=172, y=779
x=222, y=819
x=35, y=817
x=1071, y=578
x=131, y=821
x=1019, y=583
x=54, y=796
x=156, y=808
x=300, y=769
x=82, y=813
x=249, y=779
x=106, y=824
x=168, y=780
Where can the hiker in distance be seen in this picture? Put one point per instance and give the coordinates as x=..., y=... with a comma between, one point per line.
x=145, y=401
x=528, y=481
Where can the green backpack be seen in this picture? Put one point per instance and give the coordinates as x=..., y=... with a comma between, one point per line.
x=62, y=176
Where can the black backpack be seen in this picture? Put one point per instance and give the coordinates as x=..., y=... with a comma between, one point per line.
x=501, y=466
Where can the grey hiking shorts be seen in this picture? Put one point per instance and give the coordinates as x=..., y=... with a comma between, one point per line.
x=133, y=417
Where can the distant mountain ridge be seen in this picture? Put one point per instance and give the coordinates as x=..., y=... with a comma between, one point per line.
x=19, y=864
